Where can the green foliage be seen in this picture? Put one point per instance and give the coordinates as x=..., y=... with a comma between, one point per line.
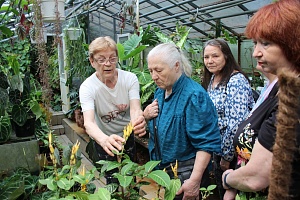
x=74, y=102
x=12, y=187
x=130, y=60
x=77, y=63
x=21, y=182
x=25, y=102
x=15, y=57
x=15, y=71
x=65, y=181
x=132, y=176
x=206, y=192
x=228, y=37
x=3, y=99
x=7, y=13
x=170, y=192
x=5, y=129
x=54, y=81
x=130, y=51
x=243, y=196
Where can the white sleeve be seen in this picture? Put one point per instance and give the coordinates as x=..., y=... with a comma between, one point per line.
x=86, y=96
x=134, y=87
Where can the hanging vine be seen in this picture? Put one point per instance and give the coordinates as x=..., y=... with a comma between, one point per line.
x=42, y=59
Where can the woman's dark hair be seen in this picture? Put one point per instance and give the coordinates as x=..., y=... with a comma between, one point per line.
x=230, y=64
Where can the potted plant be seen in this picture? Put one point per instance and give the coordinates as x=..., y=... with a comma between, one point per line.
x=73, y=30
x=50, y=8
x=25, y=108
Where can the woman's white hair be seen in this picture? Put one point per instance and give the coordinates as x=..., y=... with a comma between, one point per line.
x=170, y=54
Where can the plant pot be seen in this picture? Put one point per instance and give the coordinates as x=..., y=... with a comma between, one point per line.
x=48, y=10
x=26, y=130
x=73, y=33
x=19, y=154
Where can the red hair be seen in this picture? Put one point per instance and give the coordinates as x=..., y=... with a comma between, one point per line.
x=279, y=22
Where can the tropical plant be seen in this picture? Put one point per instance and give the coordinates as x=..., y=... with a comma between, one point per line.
x=132, y=176
x=64, y=179
x=131, y=59
x=21, y=182
x=11, y=10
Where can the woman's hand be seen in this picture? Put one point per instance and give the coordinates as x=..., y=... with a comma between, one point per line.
x=190, y=190
x=230, y=194
x=224, y=164
x=151, y=111
x=223, y=175
x=111, y=143
x=139, y=126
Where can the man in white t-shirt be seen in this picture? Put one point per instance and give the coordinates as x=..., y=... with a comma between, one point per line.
x=109, y=100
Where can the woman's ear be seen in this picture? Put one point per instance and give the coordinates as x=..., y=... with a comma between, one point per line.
x=177, y=67
x=92, y=61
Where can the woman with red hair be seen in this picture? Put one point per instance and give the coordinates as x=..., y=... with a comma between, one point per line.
x=268, y=141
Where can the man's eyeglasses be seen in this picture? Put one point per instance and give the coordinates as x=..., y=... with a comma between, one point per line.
x=112, y=60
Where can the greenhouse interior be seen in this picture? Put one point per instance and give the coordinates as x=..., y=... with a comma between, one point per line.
x=45, y=58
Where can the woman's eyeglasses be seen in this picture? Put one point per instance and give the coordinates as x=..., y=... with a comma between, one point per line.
x=112, y=60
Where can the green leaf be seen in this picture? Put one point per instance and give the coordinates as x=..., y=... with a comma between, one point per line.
x=161, y=178
x=132, y=43
x=135, y=51
x=149, y=166
x=102, y=194
x=65, y=184
x=12, y=188
x=127, y=168
x=121, y=51
x=19, y=114
x=6, y=31
x=36, y=109
x=14, y=64
x=5, y=128
x=113, y=165
x=79, y=195
x=174, y=187
x=183, y=38
x=79, y=178
x=211, y=187
x=124, y=180
x=43, y=181
x=30, y=183
x=51, y=185
x=163, y=38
